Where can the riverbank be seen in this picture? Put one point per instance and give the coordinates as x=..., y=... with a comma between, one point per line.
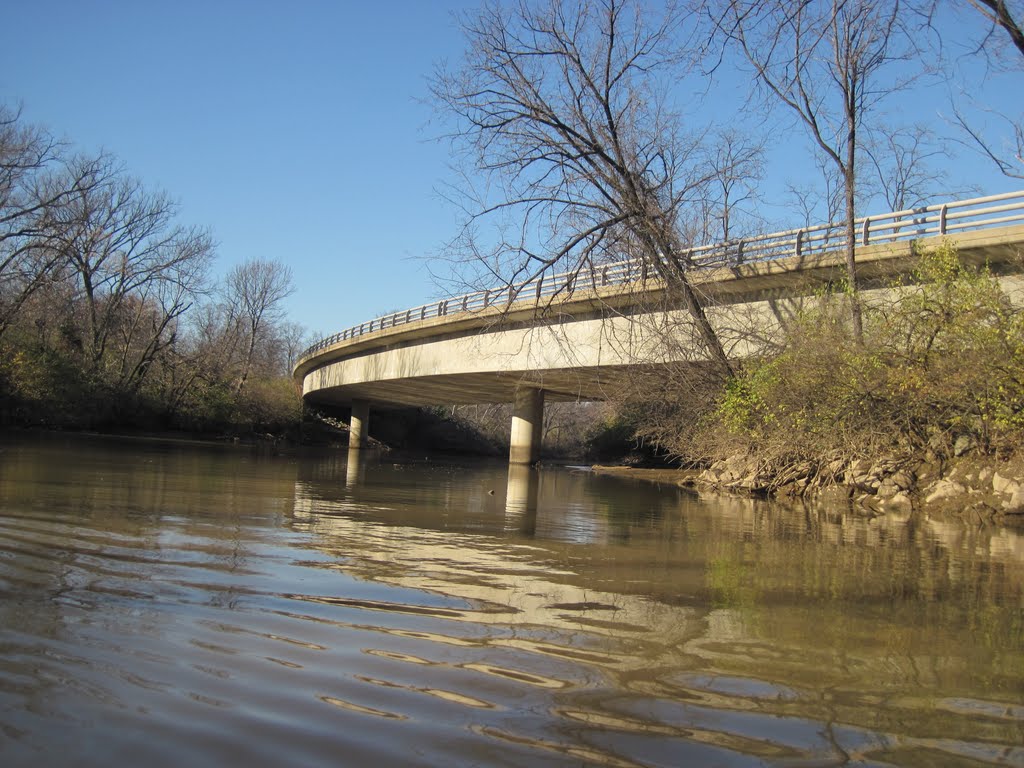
x=969, y=487
x=921, y=408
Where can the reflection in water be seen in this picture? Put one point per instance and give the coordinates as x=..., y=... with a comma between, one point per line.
x=213, y=606
x=521, y=499
x=353, y=466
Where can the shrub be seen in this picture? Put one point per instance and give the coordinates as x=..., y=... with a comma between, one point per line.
x=944, y=359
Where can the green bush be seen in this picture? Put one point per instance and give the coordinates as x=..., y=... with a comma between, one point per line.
x=269, y=405
x=945, y=359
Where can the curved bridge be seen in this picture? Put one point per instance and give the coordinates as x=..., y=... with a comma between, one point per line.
x=575, y=336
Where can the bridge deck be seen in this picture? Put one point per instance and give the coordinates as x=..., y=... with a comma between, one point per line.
x=574, y=346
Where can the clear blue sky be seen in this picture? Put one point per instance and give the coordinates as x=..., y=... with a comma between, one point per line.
x=297, y=131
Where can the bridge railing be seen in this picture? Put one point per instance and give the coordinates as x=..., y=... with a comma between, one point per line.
x=939, y=219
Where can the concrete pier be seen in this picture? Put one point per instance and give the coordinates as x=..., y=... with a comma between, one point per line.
x=359, y=424
x=527, y=426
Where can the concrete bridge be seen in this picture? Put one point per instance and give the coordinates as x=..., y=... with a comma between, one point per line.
x=575, y=336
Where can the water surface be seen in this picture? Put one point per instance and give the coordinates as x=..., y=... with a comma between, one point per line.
x=168, y=605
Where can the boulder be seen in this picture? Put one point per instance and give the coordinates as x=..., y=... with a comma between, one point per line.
x=835, y=468
x=943, y=489
x=882, y=467
x=963, y=444
x=1005, y=485
x=855, y=468
x=710, y=475
x=887, y=489
x=898, y=501
x=903, y=480
x=1015, y=506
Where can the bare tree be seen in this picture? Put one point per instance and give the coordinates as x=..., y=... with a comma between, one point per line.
x=828, y=62
x=560, y=106
x=37, y=179
x=136, y=272
x=737, y=164
x=901, y=163
x=253, y=293
x=1003, y=16
x=150, y=321
x=292, y=339
x=821, y=201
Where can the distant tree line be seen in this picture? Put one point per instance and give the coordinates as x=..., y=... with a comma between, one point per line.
x=110, y=315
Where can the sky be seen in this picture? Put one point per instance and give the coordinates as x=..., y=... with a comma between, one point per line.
x=297, y=131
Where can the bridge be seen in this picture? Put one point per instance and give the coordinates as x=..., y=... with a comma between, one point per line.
x=576, y=335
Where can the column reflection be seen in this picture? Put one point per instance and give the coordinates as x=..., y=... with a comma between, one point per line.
x=354, y=468
x=521, y=499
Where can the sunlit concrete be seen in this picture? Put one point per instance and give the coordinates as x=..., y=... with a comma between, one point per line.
x=580, y=348
x=359, y=424
x=527, y=426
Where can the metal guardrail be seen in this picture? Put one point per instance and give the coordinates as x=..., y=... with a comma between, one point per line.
x=939, y=219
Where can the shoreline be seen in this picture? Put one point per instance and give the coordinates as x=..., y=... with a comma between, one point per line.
x=973, y=489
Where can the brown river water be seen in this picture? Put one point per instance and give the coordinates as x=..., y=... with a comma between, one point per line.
x=179, y=605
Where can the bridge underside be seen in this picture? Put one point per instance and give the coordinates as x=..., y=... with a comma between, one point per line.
x=565, y=385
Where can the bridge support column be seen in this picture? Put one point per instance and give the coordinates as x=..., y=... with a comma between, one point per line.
x=527, y=426
x=359, y=424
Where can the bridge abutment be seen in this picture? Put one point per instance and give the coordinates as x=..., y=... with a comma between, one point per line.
x=359, y=424
x=527, y=426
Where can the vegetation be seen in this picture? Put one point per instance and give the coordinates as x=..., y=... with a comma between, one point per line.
x=941, y=369
x=109, y=317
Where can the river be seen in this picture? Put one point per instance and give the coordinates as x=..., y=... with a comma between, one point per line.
x=171, y=604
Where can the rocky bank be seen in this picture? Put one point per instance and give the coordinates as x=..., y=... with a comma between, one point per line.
x=970, y=487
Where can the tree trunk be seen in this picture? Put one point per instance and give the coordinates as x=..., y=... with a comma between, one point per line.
x=851, y=233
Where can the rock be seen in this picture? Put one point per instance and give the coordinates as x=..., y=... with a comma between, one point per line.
x=835, y=468
x=1015, y=506
x=943, y=489
x=926, y=471
x=733, y=469
x=1004, y=485
x=887, y=488
x=802, y=470
x=787, y=491
x=898, y=501
x=868, y=483
x=882, y=467
x=710, y=476
x=903, y=480
x=869, y=502
x=963, y=444
x=857, y=468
